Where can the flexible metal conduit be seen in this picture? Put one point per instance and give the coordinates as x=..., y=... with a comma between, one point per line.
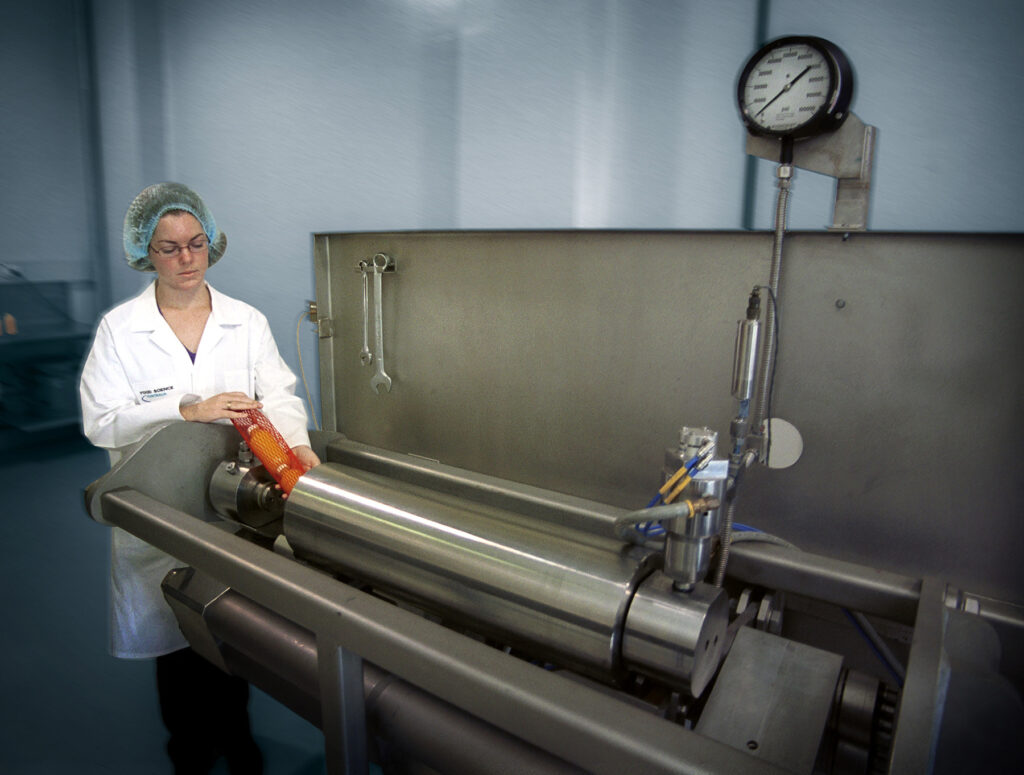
x=774, y=274
x=764, y=371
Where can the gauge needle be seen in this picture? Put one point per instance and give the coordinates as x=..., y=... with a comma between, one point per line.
x=782, y=91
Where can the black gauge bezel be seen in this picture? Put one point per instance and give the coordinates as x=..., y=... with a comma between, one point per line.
x=829, y=116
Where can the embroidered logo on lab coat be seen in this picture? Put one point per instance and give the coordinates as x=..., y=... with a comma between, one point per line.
x=155, y=393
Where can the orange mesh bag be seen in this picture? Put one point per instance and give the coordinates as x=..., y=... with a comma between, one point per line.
x=270, y=447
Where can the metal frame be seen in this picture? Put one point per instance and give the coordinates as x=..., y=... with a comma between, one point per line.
x=846, y=154
x=570, y=720
x=923, y=695
x=341, y=699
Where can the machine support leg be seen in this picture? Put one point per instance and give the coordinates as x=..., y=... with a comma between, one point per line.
x=920, y=713
x=343, y=709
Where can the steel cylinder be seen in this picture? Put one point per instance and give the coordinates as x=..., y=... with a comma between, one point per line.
x=558, y=599
x=690, y=540
x=281, y=658
x=689, y=641
x=744, y=367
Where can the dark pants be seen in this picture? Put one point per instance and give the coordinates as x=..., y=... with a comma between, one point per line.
x=206, y=713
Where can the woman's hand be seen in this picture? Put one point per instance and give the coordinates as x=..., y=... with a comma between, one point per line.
x=223, y=406
x=306, y=456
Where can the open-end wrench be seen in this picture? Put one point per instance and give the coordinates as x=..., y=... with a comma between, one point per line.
x=365, y=355
x=380, y=377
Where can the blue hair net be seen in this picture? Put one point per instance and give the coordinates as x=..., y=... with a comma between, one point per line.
x=150, y=206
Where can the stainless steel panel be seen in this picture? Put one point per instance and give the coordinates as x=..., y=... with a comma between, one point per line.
x=545, y=358
x=772, y=699
x=569, y=360
x=173, y=466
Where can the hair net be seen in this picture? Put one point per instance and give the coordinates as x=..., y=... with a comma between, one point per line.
x=150, y=206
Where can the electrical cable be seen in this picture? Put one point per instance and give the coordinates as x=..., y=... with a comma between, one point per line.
x=686, y=468
x=725, y=534
x=859, y=621
x=753, y=535
x=632, y=527
x=878, y=646
x=650, y=528
x=302, y=371
x=744, y=528
x=771, y=372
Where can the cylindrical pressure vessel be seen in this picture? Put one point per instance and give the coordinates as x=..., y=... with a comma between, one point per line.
x=558, y=599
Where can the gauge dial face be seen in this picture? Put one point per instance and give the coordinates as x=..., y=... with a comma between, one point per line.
x=795, y=87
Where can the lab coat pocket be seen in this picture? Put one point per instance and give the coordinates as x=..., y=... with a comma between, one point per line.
x=235, y=380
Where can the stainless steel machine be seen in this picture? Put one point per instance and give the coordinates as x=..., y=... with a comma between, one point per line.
x=471, y=581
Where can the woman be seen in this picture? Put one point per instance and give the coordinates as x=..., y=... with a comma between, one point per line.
x=180, y=351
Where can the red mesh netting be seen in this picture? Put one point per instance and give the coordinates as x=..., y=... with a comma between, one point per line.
x=270, y=447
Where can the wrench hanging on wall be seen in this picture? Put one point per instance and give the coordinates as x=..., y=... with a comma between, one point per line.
x=365, y=356
x=381, y=263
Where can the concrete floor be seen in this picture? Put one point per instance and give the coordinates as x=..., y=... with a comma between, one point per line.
x=66, y=706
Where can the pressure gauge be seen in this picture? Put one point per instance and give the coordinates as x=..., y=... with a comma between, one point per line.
x=795, y=87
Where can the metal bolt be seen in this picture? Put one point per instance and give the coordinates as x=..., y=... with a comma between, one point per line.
x=840, y=303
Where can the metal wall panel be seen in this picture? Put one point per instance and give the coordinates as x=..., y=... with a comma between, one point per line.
x=569, y=360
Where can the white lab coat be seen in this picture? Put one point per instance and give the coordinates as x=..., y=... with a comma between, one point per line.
x=135, y=378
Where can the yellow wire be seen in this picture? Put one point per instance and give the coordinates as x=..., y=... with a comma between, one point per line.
x=677, y=490
x=675, y=478
x=302, y=371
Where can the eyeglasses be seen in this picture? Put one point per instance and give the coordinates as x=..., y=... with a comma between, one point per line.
x=198, y=245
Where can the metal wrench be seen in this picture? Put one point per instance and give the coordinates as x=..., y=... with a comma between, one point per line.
x=365, y=355
x=380, y=378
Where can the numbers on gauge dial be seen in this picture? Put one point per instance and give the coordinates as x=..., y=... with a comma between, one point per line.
x=787, y=88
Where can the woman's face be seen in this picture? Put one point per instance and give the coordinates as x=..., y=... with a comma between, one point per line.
x=180, y=252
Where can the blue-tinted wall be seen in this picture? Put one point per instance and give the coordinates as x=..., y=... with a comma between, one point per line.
x=349, y=115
